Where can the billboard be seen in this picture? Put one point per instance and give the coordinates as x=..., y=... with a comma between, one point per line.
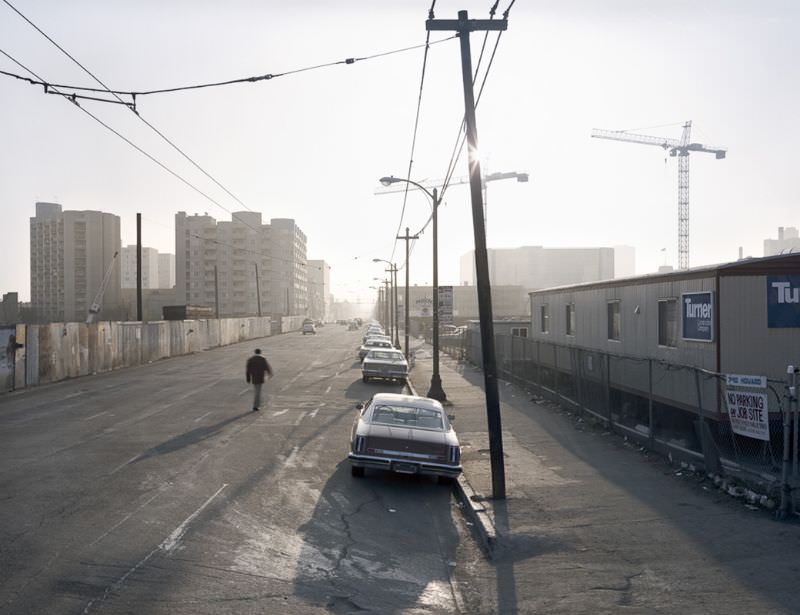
x=446, y=304
x=422, y=307
x=783, y=301
x=698, y=316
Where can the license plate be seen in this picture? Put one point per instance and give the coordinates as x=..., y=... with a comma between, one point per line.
x=405, y=468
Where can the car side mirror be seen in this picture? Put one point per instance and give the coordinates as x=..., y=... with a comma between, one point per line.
x=359, y=406
x=451, y=417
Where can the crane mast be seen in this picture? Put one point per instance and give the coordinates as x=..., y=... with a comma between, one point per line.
x=680, y=148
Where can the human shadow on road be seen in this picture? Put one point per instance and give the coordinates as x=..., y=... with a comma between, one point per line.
x=380, y=543
x=189, y=438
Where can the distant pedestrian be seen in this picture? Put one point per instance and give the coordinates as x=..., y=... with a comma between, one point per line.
x=257, y=366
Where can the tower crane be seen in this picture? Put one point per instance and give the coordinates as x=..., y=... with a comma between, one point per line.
x=94, y=309
x=454, y=181
x=676, y=147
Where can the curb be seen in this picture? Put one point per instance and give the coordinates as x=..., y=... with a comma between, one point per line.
x=476, y=515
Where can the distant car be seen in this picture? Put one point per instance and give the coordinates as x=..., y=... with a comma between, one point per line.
x=380, y=336
x=426, y=442
x=352, y=327
x=372, y=343
x=309, y=327
x=385, y=363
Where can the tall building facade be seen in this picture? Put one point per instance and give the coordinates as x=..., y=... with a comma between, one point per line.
x=149, y=267
x=787, y=241
x=166, y=270
x=319, y=288
x=70, y=252
x=243, y=266
x=289, y=284
x=534, y=267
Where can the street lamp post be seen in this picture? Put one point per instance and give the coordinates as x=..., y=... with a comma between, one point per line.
x=435, y=391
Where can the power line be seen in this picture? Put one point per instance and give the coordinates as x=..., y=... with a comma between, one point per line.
x=414, y=137
x=132, y=108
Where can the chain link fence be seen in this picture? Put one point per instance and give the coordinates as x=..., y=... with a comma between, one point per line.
x=674, y=409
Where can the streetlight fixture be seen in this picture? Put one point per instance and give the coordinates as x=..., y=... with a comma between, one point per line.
x=435, y=391
x=392, y=271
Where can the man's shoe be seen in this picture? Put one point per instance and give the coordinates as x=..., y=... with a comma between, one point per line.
x=256, y=409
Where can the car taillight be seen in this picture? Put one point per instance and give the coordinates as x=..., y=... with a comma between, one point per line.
x=454, y=454
x=358, y=445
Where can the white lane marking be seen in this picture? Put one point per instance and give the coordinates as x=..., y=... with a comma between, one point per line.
x=94, y=416
x=279, y=412
x=299, y=418
x=328, y=390
x=122, y=465
x=167, y=544
x=199, y=418
x=243, y=391
x=171, y=541
x=315, y=410
x=124, y=519
x=291, y=460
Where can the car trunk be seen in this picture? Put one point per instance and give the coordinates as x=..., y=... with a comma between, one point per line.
x=414, y=444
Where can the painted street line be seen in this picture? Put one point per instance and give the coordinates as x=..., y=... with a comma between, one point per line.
x=171, y=541
x=328, y=390
x=119, y=467
x=125, y=518
x=299, y=418
x=94, y=416
x=199, y=418
x=279, y=412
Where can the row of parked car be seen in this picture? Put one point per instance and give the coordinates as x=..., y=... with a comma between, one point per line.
x=406, y=434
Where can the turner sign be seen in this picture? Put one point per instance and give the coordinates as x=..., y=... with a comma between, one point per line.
x=698, y=316
x=783, y=301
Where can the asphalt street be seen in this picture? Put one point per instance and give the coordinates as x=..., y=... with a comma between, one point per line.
x=157, y=490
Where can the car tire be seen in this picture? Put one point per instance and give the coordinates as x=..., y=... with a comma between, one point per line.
x=365, y=378
x=356, y=471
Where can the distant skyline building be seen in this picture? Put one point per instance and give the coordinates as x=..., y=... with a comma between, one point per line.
x=319, y=287
x=534, y=267
x=788, y=241
x=70, y=252
x=166, y=270
x=239, y=249
x=149, y=267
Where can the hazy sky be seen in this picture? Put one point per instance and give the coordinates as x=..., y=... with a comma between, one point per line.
x=312, y=146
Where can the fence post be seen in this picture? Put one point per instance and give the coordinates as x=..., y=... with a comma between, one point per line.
x=539, y=365
x=793, y=383
x=786, y=489
x=607, y=363
x=555, y=370
x=577, y=374
x=707, y=445
x=650, y=427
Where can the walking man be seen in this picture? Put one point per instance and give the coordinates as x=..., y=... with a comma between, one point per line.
x=257, y=366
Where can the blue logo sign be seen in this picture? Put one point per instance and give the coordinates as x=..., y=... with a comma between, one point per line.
x=698, y=316
x=783, y=301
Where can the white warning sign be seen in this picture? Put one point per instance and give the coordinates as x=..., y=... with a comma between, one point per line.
x=748, y=413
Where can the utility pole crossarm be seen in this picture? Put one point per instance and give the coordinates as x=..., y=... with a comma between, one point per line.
x=469, y=25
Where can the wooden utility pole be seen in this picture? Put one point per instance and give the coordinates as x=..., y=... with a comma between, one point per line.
x=407, y=238
x=258, y=291
x=216, y=292
x=463, y=25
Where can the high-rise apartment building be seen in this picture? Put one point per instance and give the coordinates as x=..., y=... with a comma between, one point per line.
x=149, y=267
x=289, y=285
x=70, y=252
x=534, y=267
x=244, y=265
x=319, y=288
x=166, y=270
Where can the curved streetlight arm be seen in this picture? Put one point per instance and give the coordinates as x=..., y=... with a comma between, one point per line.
x=388, y=181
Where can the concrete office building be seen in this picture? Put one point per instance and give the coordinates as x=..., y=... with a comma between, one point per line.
x=787, y=241
x=535, y=267
x=319, y=287
x=149, y=267
x=70, y=252
x=289, y=284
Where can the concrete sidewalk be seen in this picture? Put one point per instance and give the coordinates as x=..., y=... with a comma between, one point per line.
x=592, y=524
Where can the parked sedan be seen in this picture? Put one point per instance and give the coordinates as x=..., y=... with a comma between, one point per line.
x=404, y=434
x=371, y=344
x=386, y=363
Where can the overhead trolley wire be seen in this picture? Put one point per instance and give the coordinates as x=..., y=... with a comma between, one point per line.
x=414, y=137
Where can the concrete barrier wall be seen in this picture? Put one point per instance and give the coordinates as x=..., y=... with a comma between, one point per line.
x=57, y=351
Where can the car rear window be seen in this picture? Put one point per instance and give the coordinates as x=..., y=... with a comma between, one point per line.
x=385, y=355
x=404, y=416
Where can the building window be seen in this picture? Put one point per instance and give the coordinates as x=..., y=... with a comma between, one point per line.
x=613, y=320
x=569, y=314
x=544, y=312
x=667, y=322
x=519, y=331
